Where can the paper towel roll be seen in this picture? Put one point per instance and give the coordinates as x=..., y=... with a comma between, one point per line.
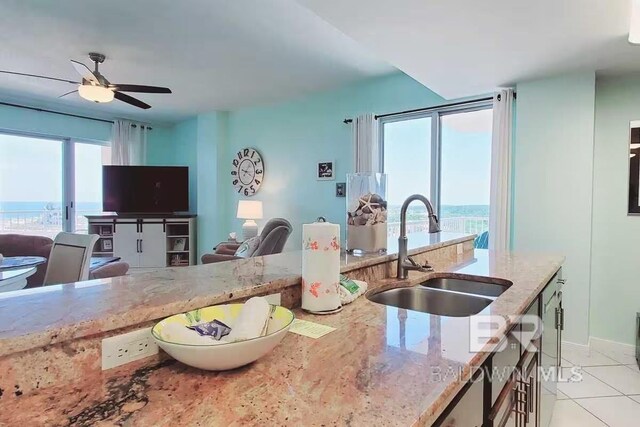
x=320, y=266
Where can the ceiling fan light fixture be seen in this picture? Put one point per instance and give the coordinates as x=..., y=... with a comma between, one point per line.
x=634, y=22
x=95, y=93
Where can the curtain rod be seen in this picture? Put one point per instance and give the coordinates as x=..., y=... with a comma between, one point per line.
x=434, y=107
x=42, y=110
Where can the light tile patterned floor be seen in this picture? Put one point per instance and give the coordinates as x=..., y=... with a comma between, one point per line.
x=606, y=391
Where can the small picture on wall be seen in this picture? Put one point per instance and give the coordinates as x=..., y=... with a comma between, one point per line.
x=341, y=189
x=325, y=171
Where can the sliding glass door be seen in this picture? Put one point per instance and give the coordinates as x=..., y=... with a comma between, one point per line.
x=31, y=185
x=407, y=162
x=48, y=184
x=444, y=154
x=465, y=172
x=88, y=162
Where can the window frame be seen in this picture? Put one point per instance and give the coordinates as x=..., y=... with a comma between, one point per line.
x=68, y=169
x=436, y=115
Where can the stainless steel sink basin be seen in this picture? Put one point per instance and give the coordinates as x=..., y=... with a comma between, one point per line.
x=432, y=301
x=484, y=286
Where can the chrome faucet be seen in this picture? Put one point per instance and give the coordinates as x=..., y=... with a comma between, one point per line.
x=405, y=263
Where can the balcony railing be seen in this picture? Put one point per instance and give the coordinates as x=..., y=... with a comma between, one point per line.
x=50, y=222
x=45, y=222
x=471, y=225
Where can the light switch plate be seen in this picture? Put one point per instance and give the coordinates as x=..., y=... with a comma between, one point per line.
x=121, y=349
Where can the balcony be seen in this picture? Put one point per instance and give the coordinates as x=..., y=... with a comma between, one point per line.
x=470, y=225
x=45, y=222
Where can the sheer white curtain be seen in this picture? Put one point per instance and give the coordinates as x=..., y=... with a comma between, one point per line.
x=128, y=143
x=501, y=148
x=366, y=153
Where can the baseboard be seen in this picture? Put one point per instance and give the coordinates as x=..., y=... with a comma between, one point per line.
x=602, y=345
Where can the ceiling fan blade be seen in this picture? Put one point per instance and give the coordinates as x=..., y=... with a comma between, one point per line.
x=131, y=100
x=40, y=77
x=68, y=93
x=139, y=88
x=85, y=72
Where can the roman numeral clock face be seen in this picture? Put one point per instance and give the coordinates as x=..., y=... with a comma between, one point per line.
x=247, y=172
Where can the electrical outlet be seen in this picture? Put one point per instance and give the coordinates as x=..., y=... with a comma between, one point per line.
x=128, y=347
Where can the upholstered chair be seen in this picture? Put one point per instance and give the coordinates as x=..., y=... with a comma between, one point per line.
x=21, y=245
x=272, y=239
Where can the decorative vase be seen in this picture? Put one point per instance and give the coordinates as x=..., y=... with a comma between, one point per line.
x=366, y=213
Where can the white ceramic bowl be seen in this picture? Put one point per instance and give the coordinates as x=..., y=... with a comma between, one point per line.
x=220, y=357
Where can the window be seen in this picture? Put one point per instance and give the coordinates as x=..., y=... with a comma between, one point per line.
x=88, y=161
x=445, y=155
x=48, y=184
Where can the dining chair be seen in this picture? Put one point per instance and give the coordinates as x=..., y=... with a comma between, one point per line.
x=70, y=258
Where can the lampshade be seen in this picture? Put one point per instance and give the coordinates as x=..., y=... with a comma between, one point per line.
x=95, y=93
x=249, y=209
x=634, y=22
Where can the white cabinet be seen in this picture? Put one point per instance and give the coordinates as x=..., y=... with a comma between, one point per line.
x=153, y=245
x=126, y=242
x=140, y=244
x=146, y=242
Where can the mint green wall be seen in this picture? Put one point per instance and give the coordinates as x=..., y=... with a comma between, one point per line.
x=293, y=136
x=176, y=146
x=210, y=151
x=553, y=182
x=615, y=282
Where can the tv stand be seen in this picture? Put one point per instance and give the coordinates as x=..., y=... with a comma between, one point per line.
x=146, y=240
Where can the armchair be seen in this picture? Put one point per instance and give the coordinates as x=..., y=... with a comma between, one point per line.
x=272, y=240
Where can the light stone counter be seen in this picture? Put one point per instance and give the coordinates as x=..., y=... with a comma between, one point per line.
x=382, y=366
x=38, y=317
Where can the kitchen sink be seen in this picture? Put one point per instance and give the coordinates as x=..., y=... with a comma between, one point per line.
x=434, y=301
x=484, y=286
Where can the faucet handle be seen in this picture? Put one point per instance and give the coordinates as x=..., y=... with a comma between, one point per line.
x=426, y=265
x=412, y=262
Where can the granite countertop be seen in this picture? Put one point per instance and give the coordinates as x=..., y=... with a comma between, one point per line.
x=38, y=317
x=381, y=366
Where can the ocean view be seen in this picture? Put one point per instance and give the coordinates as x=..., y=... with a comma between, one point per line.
x=12, y=208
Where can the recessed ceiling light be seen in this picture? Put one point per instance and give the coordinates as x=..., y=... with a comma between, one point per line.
x=95, y=93
x=634, y=22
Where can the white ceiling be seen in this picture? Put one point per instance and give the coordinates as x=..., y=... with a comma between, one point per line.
x=213, y=54
x=468, y=47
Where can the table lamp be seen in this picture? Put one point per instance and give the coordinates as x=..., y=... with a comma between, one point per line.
x=249, y=210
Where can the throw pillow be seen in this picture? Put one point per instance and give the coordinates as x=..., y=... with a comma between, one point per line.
x=248, y=247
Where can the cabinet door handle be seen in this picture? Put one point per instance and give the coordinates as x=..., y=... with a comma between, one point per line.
x=140, y=245
x=530, y=394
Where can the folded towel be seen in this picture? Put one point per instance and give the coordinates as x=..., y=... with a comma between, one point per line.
x=252, y=322
x=177, y=333
x=349, y=293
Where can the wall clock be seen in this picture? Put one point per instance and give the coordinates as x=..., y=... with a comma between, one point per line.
x=247, y=172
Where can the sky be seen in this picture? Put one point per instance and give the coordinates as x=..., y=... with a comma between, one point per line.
x=466, y=158
x=31, y=170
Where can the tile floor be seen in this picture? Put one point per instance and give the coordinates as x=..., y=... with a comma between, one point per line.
x=604, y=389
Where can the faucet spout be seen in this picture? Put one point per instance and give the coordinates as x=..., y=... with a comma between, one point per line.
x=404, y=262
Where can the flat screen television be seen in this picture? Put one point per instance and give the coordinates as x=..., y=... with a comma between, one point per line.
x=145, y=189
